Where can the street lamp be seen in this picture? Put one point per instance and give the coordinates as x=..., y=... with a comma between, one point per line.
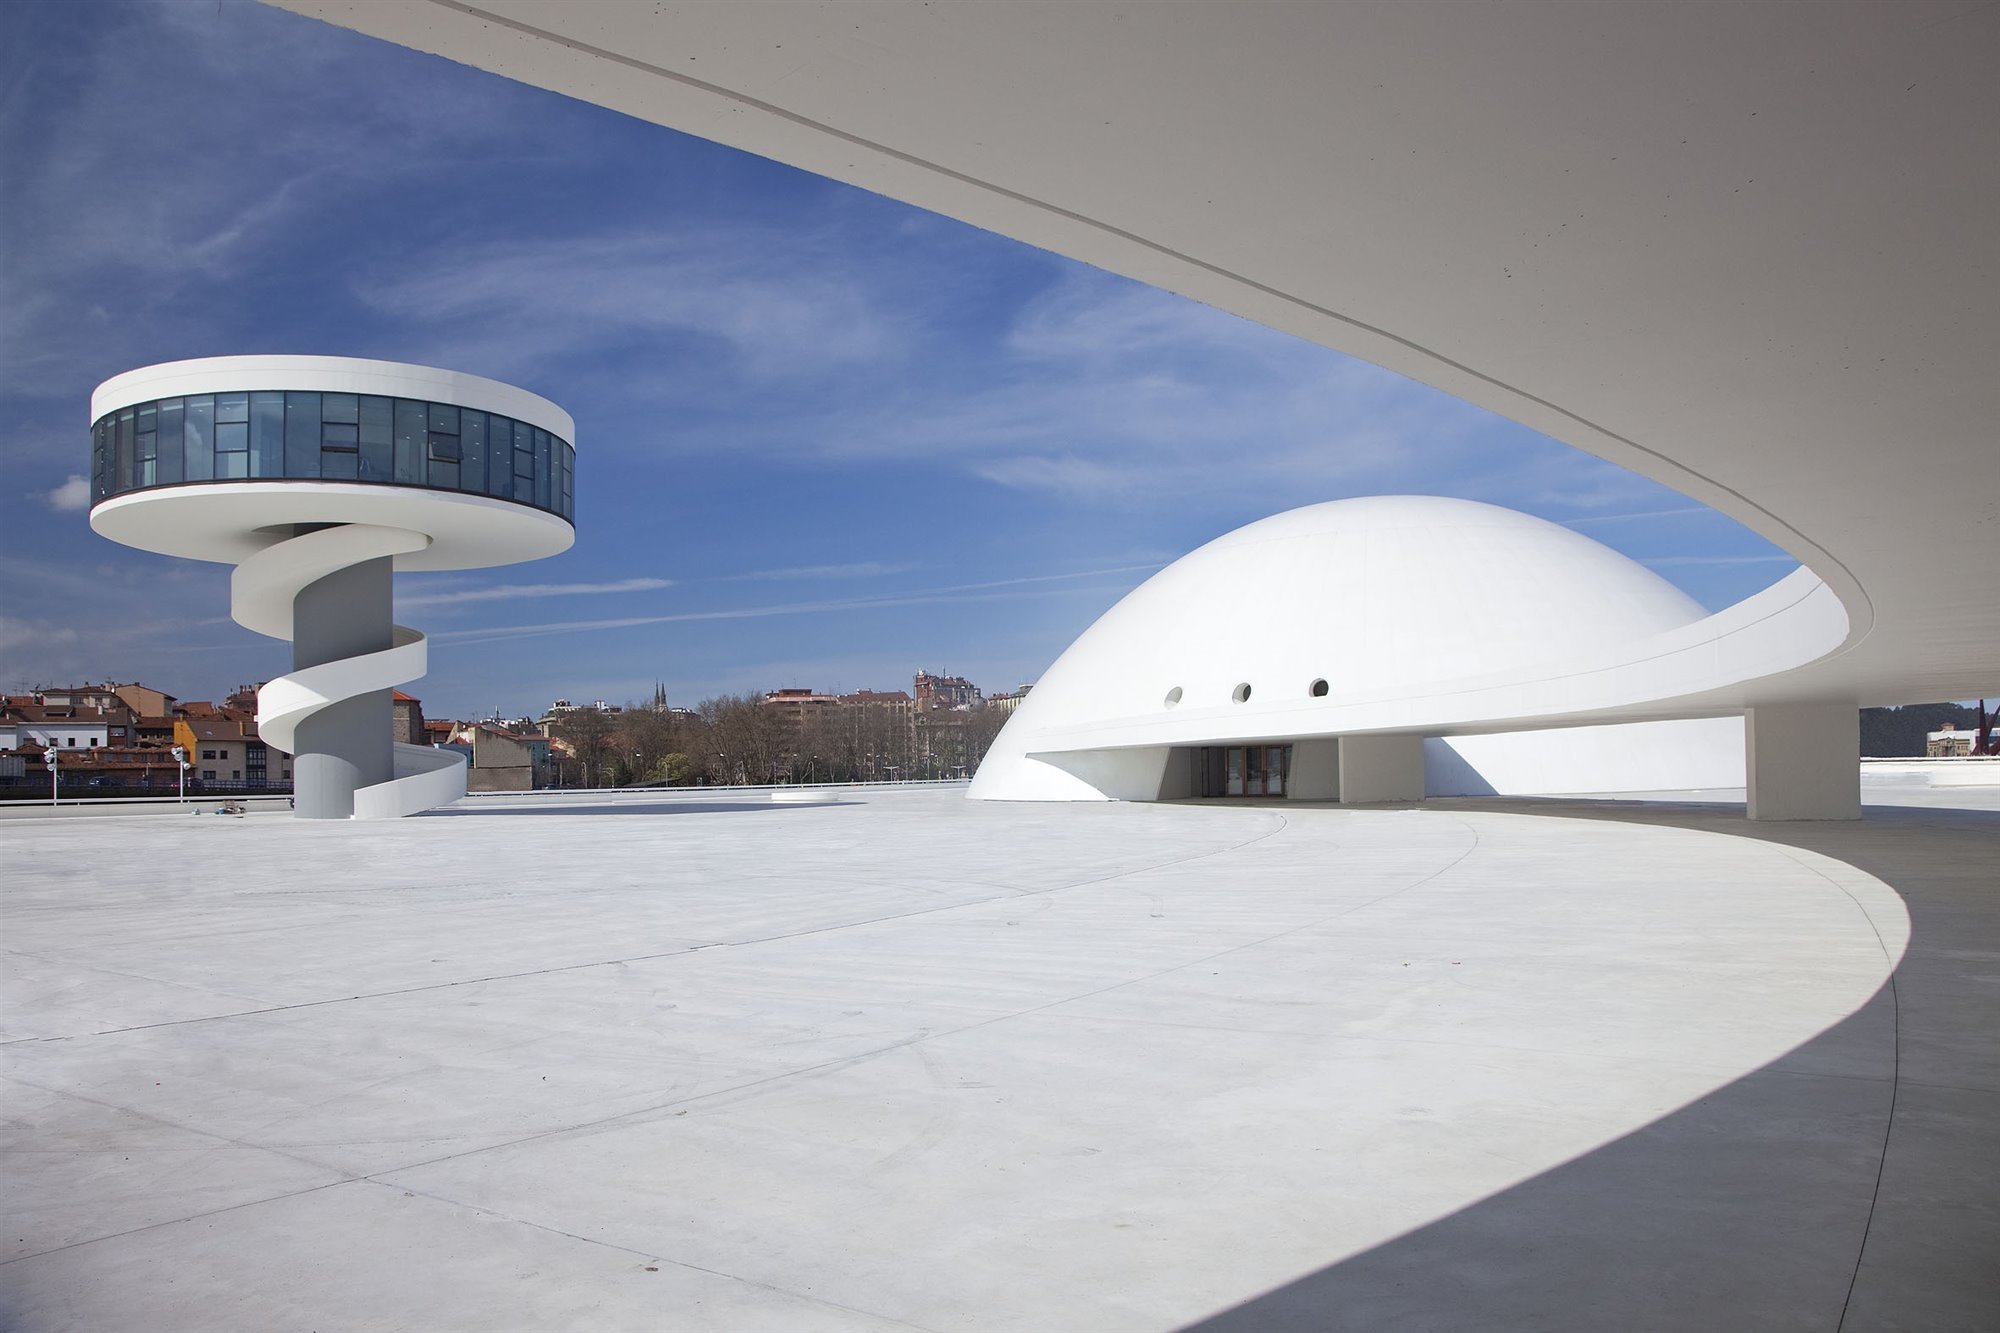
x=55, y=782
x=181, y=758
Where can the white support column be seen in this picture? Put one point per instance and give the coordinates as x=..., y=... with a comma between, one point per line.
x=1315, y=772
x=1381, y=768
x=1803, y=761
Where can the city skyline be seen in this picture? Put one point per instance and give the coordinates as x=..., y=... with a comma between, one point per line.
x=824, y=439
x=656, y=697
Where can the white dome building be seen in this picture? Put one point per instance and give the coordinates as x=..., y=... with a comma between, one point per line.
x=1230, y=672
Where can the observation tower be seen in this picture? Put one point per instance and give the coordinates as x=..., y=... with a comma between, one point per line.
x=317, y=477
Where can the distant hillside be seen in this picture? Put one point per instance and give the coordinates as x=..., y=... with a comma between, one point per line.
x=1895, y=733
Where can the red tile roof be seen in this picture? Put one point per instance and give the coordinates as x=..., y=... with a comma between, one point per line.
x=228, y=724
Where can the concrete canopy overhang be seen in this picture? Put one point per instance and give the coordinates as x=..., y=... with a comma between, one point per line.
x=1743, y=250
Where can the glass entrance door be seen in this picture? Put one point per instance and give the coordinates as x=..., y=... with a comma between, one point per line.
x=1244, y=770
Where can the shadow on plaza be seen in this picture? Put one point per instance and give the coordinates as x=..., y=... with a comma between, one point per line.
x=1748, y=1208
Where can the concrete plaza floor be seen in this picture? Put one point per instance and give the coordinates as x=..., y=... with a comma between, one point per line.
x=899, y=1060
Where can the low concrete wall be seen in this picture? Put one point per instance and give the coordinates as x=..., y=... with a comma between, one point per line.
x=1961, y=771
x=104, y=809
x=656, y=792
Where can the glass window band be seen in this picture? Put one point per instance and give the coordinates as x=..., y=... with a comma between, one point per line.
x=306, y=436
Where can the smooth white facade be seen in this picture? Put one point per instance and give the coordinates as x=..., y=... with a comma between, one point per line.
x=286, y=534
x=1277, y=631
x=1621, y=757
x=1744, y=250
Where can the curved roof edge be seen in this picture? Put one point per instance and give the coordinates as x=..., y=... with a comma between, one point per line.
x=1638, y=236
x=329, y=374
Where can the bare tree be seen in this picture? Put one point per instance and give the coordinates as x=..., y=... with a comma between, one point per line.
x=645, y=738
x=745, y=742
x=980, y=733
x=587, y=734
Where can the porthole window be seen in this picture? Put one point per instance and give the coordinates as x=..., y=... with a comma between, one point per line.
x=1242, y=693
x=1173, y=696
x=1318, y=690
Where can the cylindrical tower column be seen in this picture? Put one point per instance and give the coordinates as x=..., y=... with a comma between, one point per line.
x=345, y=745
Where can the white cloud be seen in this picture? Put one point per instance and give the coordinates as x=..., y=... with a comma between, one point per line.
x=72, y=497
x=1679, y=511
x=508, y=592
x=16, y=634
x=1104, y=391
x=39, y=652
x=144, y=585
x=993, y=590
x=861, y=569
x=1062, y=475
x=780, y=305
x=209, y=181
x=1088, y=316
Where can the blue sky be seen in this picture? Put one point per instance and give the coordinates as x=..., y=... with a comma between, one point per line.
x=824, y=439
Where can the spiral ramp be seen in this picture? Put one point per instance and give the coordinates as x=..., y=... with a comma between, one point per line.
x=263, y=595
